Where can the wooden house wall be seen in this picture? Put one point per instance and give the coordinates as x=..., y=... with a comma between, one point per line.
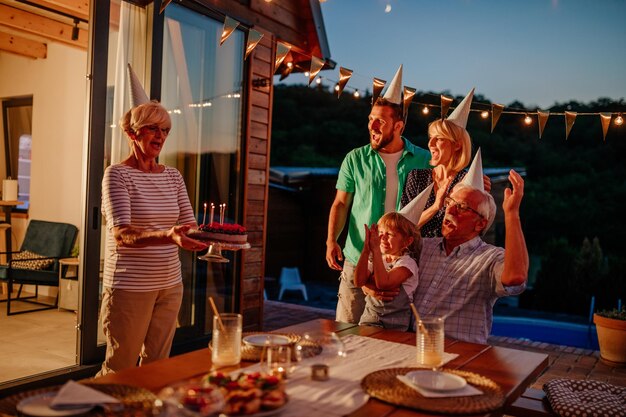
x=258, y=132
x=288, y=21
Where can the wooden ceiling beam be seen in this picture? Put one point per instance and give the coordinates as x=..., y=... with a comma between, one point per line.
x=77, y=8
x=42, y=26
x=22, y=46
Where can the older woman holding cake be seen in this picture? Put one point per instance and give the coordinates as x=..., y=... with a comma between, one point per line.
x=148, y=214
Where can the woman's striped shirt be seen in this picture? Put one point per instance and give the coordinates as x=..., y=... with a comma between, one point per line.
x=154, y=201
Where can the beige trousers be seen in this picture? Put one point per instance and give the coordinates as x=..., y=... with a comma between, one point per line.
x=138, y=325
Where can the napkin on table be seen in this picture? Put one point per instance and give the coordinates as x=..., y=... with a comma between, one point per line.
x=466, y=391
x=73, y=394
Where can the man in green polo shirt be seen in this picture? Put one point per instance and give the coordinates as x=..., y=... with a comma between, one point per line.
x=370, y=183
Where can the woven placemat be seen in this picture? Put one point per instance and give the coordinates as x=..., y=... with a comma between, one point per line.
x=137, y=401
x=384, y=386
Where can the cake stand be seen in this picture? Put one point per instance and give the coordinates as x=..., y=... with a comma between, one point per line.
x=214, y=254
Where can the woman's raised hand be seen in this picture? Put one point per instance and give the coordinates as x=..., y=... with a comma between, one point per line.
x=178, y=235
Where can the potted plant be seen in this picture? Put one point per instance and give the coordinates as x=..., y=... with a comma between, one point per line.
x=611, y=328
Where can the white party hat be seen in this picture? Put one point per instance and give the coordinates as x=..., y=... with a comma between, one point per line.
x=394, y=91
x=137, y=94
x=413, y=210
x=461, y=112
x=474, y=176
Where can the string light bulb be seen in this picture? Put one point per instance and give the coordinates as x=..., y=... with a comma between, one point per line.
x=336, y=87
x=425, y=110
x=289, y=64
x=318, y=80
x=356, y=94
x=619, y=120
x=388, y=8
x=307, y=73
x=528, y=120
x=484, y=114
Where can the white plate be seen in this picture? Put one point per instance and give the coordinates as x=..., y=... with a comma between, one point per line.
x=264, y=339
x=436, y=381
x=39, y=406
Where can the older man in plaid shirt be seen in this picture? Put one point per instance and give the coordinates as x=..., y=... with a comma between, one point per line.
x=461, y=276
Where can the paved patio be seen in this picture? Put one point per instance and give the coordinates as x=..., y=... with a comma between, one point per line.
x=565, y=361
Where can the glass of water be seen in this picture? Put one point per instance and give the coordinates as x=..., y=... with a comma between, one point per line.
x=226, y=341
x=429, y=340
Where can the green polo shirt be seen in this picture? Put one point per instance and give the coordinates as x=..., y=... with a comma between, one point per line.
x=362, y=173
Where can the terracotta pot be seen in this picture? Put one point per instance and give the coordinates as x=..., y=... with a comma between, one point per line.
x=612, y=340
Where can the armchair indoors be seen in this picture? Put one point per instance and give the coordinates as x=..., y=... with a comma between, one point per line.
x=37, y=261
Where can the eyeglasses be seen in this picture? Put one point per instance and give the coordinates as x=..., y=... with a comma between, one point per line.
x=461, y=207
x=154, y=128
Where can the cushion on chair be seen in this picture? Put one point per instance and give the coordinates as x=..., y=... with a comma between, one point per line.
x=578, y=398
x=33, y=261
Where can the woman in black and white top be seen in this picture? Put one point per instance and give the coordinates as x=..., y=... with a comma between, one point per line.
x=147, y=212
x=450, y=149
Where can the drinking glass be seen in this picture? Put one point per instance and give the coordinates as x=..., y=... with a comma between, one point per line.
x=322, y=350
x=276, y=360
x=429, y=341
x=226, y=340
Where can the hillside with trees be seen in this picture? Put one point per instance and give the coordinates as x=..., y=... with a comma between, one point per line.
x=573, y=209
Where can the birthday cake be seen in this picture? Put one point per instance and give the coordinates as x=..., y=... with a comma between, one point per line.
x=216, y=232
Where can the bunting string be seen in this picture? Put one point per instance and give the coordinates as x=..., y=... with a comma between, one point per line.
x=285, y=67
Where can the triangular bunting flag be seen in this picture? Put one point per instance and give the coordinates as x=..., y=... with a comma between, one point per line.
x=282, y=49
x=377, y=88
x=496, y=111
x=445, y=105
x=344, y=76
x=164, y=4
x=543, y=119
x=316, y=66
x=230, y=25
x=254, y=37
x=286, y=72
x=413, y=210
x=605, y=119
x=570, y=118
x=408, y=95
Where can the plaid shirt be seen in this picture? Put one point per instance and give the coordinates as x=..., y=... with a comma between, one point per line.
x=462, y=287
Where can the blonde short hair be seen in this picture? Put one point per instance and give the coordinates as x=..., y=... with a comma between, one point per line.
x=396, y=221
x=151, y=113
x=457, y=135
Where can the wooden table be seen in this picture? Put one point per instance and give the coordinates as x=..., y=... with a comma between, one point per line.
x=514, y=370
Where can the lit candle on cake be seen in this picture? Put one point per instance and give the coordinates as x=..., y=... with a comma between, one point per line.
x=212, y=212
x=204, y=217
x=222, y=210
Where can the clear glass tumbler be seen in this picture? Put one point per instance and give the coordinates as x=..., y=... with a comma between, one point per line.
x=429, y=340
x=226, y=341
x=276, y=360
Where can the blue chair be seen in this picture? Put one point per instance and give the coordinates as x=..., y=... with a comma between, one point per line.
x=37, y=262
x=290, y=281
